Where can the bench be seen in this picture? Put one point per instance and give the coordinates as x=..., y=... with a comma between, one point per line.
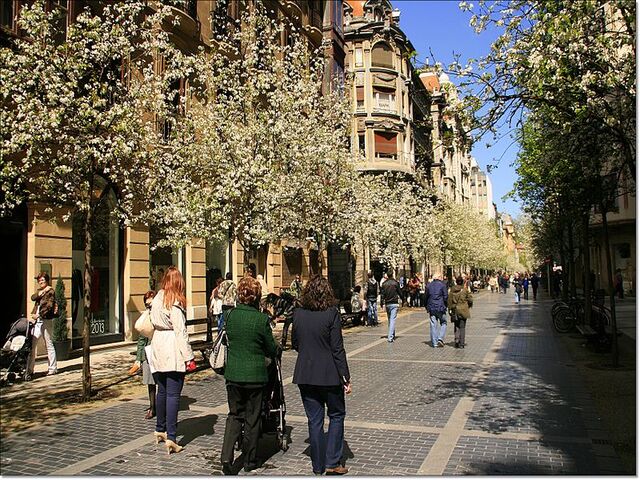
x=347, y=316
x=202, y=345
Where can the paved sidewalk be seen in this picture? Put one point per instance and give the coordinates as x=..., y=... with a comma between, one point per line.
x=509, y=403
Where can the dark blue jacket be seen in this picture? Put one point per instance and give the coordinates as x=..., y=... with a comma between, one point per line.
x=437, y=297
x=317, y=336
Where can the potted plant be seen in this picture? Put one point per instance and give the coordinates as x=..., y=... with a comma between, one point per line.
x=60, y=335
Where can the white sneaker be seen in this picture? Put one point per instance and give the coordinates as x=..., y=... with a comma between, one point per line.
x=52, y=372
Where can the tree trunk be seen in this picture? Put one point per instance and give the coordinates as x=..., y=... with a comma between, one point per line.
x=563, y=263
x=572, y=262
x=587, y=269
x=612, y=296
x=86, y=326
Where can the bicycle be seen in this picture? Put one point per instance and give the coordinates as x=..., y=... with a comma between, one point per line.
x=566, y=315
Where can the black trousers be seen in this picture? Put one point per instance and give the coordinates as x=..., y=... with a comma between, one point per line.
x=460, y=327
x=245, y=405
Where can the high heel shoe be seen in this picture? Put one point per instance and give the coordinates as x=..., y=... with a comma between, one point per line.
x=160, y=437
x=172, y=447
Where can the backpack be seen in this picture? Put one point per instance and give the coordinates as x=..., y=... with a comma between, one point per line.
x=228, y=293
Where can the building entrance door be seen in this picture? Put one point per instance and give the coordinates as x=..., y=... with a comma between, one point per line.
x=13, y=235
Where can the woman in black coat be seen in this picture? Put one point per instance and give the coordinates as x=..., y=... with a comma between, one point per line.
x=321, y=373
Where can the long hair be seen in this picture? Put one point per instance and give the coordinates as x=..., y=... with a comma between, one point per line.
x=174, y=288
x=317, y=294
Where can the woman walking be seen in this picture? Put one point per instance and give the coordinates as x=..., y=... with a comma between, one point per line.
x=321, y=373
x=142, y=363
x=250, y=340
x=42, y=315
x=459, y=303
x=171, y=355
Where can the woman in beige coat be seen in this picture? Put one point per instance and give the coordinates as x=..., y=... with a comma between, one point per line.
x=171, y=354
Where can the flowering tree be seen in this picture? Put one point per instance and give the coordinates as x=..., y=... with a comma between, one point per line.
x=261, y=154
x=573, y=58
x=392, y=217
x=79, y=118
x=466, y=238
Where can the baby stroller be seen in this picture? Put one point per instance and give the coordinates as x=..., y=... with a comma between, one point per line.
x=15, y=351
x=274, y=407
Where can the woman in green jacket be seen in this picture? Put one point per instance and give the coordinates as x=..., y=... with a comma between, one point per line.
x=459, y=303
x=249, y=341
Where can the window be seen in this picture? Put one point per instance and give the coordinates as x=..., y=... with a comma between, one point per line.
x=337, y=16
x=382, y=55
x=359, y=60
x=61, y=10
x=6, y=14
x=386, y=144
x=384, y=99
x=359, y=98
x=361, y=144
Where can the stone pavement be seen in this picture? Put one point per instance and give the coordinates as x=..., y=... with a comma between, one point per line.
x=509, y=403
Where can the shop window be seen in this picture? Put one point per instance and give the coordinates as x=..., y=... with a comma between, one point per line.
x=161, y=258
x=217, y=264
x=382, y=55
x=105, y=304
x=291, y=266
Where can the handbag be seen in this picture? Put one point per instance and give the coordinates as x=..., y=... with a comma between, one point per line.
x=218, y=357
x=144, y=326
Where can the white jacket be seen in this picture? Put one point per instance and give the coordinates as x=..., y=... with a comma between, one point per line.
x=170, y=347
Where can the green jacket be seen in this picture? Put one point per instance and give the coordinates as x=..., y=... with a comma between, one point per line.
x=250, y=341
x=461, y=300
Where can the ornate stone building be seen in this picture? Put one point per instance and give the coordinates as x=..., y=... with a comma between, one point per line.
x=378, y=55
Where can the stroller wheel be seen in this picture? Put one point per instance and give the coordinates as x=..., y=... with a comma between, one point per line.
x=11, y=377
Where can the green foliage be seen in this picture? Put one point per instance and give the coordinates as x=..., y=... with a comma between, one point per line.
x=60, y=330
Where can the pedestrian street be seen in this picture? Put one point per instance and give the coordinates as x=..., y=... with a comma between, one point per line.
x=509, y=403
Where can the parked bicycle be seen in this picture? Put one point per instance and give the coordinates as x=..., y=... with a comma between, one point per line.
x=566, y=315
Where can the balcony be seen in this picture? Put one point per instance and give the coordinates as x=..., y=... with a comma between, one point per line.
x=385, y=105
x=186, y=12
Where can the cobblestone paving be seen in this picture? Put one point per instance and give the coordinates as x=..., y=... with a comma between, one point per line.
x=509, y=403
x=489, y=456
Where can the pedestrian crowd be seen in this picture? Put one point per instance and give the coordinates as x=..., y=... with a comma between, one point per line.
x=246, y=314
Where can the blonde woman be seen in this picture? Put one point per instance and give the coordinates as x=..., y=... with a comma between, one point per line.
x=171, y=354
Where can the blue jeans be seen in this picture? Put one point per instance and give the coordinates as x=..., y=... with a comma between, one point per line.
x=372, y=312
x=517, y=297
x=220, y=320
x=168, y=401
x=392, y=313
x=325, y=452
x=438, y=327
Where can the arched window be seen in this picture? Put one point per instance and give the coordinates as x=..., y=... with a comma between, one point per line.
x=382, y=55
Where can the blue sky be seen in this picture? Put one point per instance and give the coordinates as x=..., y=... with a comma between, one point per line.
x=440, y=26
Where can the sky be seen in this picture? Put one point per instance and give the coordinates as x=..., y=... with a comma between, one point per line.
x=440, y=26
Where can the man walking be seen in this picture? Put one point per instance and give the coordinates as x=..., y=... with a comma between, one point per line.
x=371, y=293
x=391, y=299
x=437, y=297
x=535, y=281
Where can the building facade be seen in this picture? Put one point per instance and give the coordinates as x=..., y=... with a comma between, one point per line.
x=125, y=263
